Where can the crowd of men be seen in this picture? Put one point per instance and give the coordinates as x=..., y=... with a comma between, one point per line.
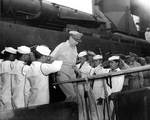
x=24, y=75
x=22, y=82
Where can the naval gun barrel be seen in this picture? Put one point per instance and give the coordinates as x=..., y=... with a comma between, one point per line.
x=45, y=12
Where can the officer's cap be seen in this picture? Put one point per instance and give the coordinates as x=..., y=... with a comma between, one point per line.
x=76, y=35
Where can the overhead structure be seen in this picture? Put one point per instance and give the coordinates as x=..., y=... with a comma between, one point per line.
x=141, y=8
x=99, y=14
x=44, y=14
x=118, y=11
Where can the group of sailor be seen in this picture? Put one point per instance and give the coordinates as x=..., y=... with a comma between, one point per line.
x=24, y=74
x=102, y=89
x=99, y=89
x=21, y=84
x=88, y=64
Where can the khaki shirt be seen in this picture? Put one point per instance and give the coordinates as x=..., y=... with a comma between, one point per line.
x=66, y=53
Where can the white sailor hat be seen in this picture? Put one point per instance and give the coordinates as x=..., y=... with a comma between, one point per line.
x=10, y=50
x=91, y=53
x=113, y=58
x=23, y=50
x=82, y=54
x=44, y=50
x=97, y=57
x=76, y=35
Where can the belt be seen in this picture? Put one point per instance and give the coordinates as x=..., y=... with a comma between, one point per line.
x=66, y=64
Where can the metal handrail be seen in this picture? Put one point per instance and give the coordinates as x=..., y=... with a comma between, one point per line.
x=107, y=75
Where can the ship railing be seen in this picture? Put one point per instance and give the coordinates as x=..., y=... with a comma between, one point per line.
x=106, y=76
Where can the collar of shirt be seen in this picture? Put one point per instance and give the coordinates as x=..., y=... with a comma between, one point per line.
x=36, y=62
x=19, y=61
x=86, y=67
x=99, y=66
x=73, y=47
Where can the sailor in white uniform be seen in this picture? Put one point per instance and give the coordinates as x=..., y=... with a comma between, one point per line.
x=19, y=82
x=6, y=78
x=117, y=81
x=1, y=60
x=84, y=67
x=101, y=89
x=85, y=90
x=98, y=87
x=38, y=76
x=81, y=72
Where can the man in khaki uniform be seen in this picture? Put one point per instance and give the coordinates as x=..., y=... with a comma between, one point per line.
x=67, y=52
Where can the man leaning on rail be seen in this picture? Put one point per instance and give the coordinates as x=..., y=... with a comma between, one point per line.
x=67, y=52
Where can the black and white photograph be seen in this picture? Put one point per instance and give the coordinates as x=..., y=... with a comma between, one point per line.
x=74, y=59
